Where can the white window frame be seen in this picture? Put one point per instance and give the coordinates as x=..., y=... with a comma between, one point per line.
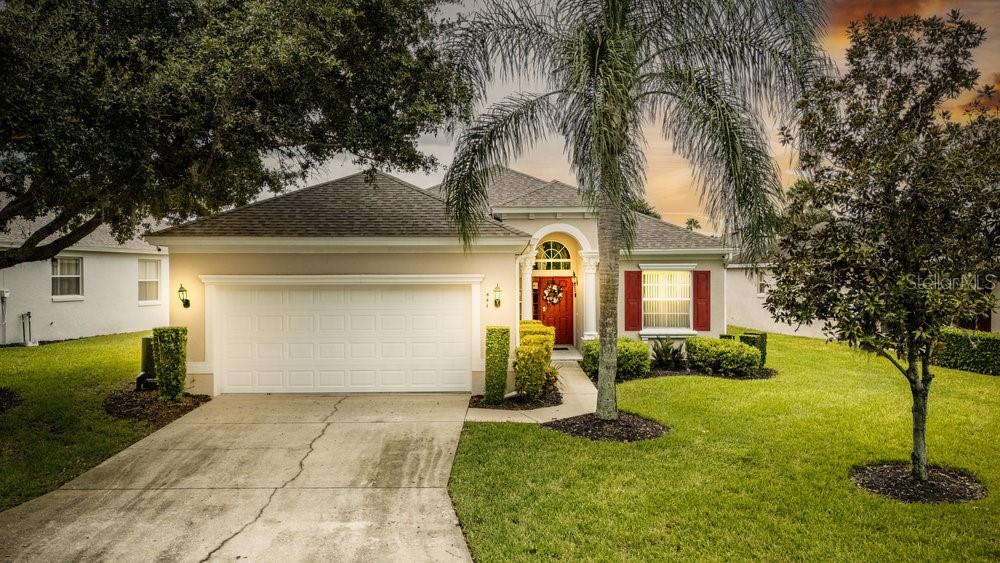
x=653, y=332
x=539, y=261
x=54, y=276
x=158, y=280
x=759, y=281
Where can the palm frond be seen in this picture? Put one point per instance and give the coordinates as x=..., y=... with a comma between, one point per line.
x=714, y=129
x=492, y=140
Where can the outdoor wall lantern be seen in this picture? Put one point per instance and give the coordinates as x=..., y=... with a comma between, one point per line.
x=497, y=295
x=575, y=281
x=182, y=294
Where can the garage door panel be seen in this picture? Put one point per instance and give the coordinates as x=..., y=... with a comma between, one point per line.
x=337, y=339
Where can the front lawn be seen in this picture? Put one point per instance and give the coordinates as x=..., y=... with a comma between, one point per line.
x=750, y=470
x=60, y=429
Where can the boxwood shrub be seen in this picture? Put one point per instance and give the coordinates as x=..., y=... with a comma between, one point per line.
x=759, y=341
x=170, y=361
x=634, y=358
x=497, y=358
x=969, y=350
x=531, y=358
x=723, y=357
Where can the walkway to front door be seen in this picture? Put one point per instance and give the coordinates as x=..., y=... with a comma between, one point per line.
x=554, y=306
x=263, y=478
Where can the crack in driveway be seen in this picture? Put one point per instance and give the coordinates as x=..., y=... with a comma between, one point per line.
x=270, y=497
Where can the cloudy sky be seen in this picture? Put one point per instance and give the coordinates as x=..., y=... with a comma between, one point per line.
x=670, y=187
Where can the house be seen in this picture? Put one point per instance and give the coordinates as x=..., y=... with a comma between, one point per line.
x=746, y=291
x=357, y=286
x=745, y=294
x=97, y=286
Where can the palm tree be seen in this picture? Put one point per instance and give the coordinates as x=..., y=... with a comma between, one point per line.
x=692, y=224
x=702, y=71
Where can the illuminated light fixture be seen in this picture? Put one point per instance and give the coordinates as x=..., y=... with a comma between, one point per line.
x=497, y=295
x=182, y=294
x=575, y=282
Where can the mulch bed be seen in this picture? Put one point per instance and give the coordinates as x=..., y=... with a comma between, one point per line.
x=130, y=404
x=628, y=427
x=894, y=480
x=9, y=399
x=519, y=402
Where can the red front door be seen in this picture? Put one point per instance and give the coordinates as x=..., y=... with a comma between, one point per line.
x=558, y=315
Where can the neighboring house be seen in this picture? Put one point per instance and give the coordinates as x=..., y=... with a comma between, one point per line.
x=745, y=293
x=351, y=286
x=96, y=286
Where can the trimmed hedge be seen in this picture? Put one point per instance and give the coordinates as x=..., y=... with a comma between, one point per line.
x=530, y=360
x=170, y=361
x=969, y=350
x=759, y=341
x=634, y=360
x=724, y=357
x=497, y=358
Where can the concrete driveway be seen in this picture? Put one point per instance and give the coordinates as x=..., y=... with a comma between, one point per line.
x=279, y=478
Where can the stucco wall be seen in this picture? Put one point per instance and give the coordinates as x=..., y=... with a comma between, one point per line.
x=746, y=307
x=498, y=268
x=586, y=226
x=110, y=303
x=718, y=280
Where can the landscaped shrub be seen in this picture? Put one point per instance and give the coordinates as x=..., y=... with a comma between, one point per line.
x=497, y=357
x=530, y=322
x=727, y=337
x=668, y=356
x=551, y=377
x=759, y=341
x=634, y=358
x=170, y=360
x=530, y=360
x=970, y=350
x=723, y=357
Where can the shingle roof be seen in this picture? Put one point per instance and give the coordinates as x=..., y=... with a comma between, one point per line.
x=552, y=194
x=509, y=184
x=101, y=237
x=345, y=207
x=513, y=189
x=654, y=234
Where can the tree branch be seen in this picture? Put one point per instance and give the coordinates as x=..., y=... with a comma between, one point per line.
x=14, y=256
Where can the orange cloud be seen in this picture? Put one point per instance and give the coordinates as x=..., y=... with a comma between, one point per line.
x=987, y=102
x=843, y=12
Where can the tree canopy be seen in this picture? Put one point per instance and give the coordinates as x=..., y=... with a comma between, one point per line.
x=895, y=233
x=118, y=111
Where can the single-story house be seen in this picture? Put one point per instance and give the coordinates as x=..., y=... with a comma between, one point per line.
x=746, y=291
x=97, y=286
x=365, y=287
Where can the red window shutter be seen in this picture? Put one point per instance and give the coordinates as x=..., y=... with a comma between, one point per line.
x=633, y=300
x=702, y=300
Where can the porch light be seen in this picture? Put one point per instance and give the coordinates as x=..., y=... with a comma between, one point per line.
x=575, y=281
x=182, y=294
x=497, y=295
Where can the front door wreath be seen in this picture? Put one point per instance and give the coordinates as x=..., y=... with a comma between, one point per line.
x=553, y=293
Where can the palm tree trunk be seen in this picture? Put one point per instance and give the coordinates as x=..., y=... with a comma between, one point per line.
x=609, y=236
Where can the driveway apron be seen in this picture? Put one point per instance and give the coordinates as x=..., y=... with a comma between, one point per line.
x=283, y=477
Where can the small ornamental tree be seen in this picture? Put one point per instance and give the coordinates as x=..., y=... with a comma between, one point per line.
x=890, y=238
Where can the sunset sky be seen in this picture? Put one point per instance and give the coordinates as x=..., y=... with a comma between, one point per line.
x=669, y=183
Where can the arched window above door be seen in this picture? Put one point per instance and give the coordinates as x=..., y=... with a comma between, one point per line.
x=552, y=255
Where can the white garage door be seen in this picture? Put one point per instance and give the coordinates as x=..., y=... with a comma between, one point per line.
x=382, y=338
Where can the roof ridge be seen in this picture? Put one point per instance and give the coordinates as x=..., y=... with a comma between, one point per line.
x=253, y=204
x=679, y=228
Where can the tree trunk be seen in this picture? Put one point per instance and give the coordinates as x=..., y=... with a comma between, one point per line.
x=609, y=235
x=918, y=458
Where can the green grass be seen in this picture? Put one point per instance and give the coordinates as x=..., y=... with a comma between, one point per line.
x=61, y=429
x=750, y=470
